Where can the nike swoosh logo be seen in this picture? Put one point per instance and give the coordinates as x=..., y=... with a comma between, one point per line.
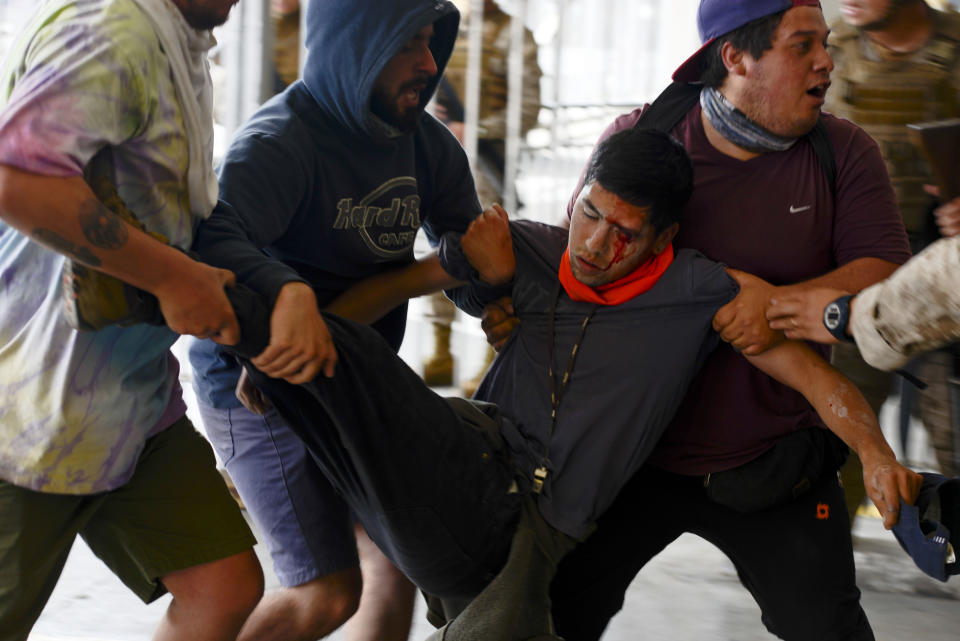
x=797, y=210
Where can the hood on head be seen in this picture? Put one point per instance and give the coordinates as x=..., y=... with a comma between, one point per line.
x=350, y=41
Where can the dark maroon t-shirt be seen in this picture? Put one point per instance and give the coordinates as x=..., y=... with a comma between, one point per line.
x=773, y=216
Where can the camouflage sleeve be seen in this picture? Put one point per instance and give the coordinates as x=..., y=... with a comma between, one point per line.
x=493, y=125
x=915, y=310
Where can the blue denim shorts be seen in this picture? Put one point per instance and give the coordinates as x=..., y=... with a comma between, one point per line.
x=305, y=524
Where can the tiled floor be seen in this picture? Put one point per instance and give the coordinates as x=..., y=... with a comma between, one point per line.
x=690, y=592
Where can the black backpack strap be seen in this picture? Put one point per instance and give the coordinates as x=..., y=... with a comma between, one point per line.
x=670, y=106
x=820, y=141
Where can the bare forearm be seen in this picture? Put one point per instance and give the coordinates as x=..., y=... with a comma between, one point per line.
x=372, y=298
x=846, y=413
x=64, y=215
x=852, y=277
x=837, y=401
x=745, y=321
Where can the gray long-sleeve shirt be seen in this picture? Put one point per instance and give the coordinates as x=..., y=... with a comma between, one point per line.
x=633, y=367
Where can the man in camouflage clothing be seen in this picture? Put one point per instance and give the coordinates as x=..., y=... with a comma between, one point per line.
x=898, y=62
x=491, y=147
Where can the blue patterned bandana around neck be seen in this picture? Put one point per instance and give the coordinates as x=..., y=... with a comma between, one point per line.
x=734, y=125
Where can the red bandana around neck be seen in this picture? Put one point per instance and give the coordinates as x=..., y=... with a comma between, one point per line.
x=619, y=291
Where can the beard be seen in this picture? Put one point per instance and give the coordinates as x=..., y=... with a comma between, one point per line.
x=387, y=106
x=203, y=18
x=768, y=113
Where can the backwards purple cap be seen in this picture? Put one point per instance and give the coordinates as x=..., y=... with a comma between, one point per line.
x=716, y=18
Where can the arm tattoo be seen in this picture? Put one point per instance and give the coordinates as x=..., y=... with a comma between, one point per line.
x=60, y=244
x=102, y=227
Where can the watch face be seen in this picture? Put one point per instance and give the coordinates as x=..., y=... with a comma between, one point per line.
x=831, y=316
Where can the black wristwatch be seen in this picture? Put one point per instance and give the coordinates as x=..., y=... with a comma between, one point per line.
x=836, y=316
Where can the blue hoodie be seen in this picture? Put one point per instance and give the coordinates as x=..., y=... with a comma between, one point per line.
x=315, y=188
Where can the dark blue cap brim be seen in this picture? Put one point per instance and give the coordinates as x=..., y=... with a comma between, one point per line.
x=925, y=533
x=929, y=554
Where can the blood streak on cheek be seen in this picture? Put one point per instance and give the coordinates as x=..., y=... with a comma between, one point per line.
x=619, y=248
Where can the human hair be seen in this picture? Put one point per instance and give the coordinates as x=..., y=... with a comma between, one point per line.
x=646, y=168
x=755, y=37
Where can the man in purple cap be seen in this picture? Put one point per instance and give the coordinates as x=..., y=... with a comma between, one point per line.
x=793, y=196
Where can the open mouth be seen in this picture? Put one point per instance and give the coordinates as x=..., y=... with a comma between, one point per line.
x=410, y=94
x=820, y=91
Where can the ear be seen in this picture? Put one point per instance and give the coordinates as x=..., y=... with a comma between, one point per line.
x=665, y=237
x=732, y=59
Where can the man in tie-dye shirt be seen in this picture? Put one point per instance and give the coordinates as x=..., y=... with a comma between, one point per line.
x=93, y=437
